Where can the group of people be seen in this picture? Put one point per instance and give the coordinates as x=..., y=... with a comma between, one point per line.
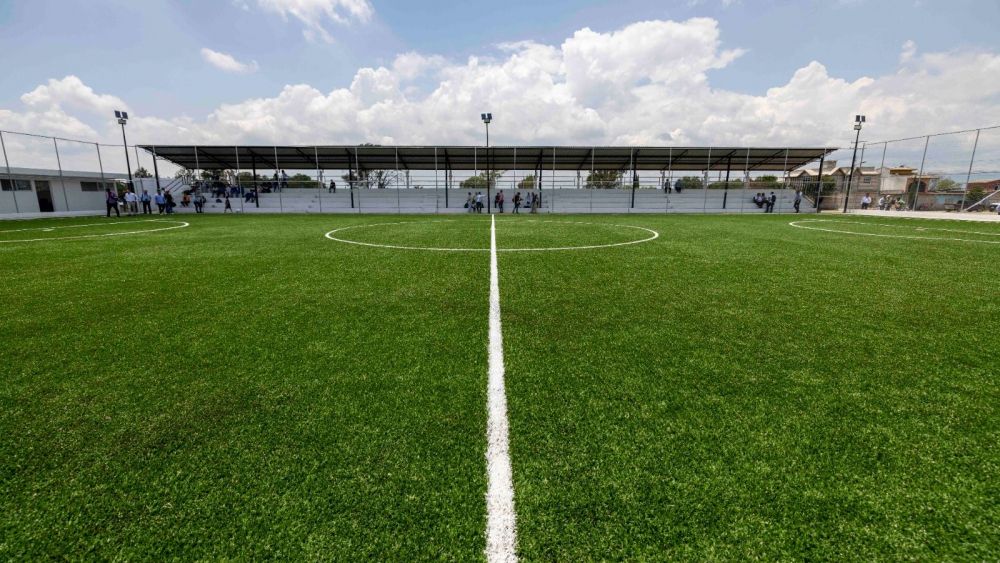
x=886, y=203
x=767, y=201
x=164, y=201
x=278, y=183
x=474, y=203
x=131, y=202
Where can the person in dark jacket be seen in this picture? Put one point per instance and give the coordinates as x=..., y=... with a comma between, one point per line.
x=111, y=199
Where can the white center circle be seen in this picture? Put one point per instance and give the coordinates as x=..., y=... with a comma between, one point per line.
x=646, y=236
x=174, y=225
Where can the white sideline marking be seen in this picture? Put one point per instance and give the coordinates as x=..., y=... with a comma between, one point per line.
x=501, y=528
x=178, y=225
x=802, y=225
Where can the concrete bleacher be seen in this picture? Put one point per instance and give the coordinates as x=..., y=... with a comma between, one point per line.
x=558, y=200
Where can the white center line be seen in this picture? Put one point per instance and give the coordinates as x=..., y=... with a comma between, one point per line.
x=501, y=527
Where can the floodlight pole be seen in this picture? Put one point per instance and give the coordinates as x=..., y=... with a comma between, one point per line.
x=489, y=202
x=487, y=117
x=121, y=121
x=857, y=127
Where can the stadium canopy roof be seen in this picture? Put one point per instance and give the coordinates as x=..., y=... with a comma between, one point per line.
x=372, y=157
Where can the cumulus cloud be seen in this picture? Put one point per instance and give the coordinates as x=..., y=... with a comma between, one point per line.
x=226, y=62
x=71, y=93
x=314, y=14
x=646, y=83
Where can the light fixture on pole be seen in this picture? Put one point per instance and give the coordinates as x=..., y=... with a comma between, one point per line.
x=858, y=120
x=487, y=118
x=122, y=120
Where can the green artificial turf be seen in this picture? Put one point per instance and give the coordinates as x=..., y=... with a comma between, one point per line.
x=737, y=388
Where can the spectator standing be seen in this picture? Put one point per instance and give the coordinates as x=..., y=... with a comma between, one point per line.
x=111, y=199
x=145, y=199
x=470, y=203
x=798, y=200
x=771, y=200
x=229, y=206
x=170, y=203
x=517, y=201
x=479, y=202
x=284, y=180
x=333, y=187
x=536, y=202
x=131, y=202
x=161, y=202
x=866, y=201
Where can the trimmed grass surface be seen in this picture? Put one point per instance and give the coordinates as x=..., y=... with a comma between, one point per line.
x=737, y=388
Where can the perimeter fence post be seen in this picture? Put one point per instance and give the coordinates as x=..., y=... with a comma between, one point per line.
x=239, y=183
x=156, y=169
x=281, y=178
x=704, y=187
x=10, y=178
x=746, y=180
x=819, y=183
x=100, y=164
x=357, y=175
x=62, y=180
x=968, y=175
x=256, y=184
x=552, y=199
x=320, y=181
x=197, y=165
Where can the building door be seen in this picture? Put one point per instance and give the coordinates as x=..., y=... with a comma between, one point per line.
x=44, y=193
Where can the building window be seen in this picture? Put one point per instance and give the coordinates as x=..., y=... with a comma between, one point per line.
x=866, y=180
x=95, y=186
x=18, y=185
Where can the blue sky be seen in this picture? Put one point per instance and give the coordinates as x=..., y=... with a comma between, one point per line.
x=149, y=53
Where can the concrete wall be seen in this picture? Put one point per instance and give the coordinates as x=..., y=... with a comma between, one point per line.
x=23, y=202
x=67, y=195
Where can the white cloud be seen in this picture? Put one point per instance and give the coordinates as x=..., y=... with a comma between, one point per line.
x=226, y=62
x=410, y=65
x=647, y=83
x=71, y=93
x=314, y=14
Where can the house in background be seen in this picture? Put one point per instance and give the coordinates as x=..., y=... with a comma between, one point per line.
x=889, y=180
x=986, y=185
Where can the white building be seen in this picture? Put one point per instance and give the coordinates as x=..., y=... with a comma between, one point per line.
x=34, y=190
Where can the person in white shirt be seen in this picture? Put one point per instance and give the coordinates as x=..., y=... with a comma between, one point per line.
x=132, y=202
x=866, y=201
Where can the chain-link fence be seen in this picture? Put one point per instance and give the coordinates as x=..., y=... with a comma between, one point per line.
x=943, y=172
x=946, y=172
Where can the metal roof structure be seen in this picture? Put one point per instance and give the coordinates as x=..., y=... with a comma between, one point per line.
x=374, y=157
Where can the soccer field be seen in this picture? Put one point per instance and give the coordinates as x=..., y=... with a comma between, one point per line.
x=677, y=387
